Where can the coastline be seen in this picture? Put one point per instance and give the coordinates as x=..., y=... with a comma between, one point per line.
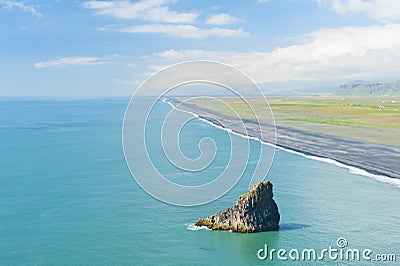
x=376, y=161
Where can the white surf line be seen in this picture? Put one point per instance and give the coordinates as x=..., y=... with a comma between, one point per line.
x=352, y=169
x=193, y=227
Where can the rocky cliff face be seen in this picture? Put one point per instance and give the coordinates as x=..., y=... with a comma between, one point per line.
x=254, y=211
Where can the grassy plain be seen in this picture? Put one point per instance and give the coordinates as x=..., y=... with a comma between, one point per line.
x=373, y=119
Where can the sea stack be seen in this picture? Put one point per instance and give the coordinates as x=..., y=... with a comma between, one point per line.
x=255, y=211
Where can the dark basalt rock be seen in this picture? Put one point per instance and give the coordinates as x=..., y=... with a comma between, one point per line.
x=255, y=211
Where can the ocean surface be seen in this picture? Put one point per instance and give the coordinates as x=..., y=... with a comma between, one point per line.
x=67, y=196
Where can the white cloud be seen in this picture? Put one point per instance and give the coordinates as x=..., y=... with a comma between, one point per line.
x=185, y=31
x=7, y=4
x=76, y=61
x=162, y=20
x=330, y=54
x=378, y=9
x=221, y=19
x=150, y=10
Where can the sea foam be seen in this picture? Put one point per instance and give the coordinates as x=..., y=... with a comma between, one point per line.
x=352, y=169
x=193, y=227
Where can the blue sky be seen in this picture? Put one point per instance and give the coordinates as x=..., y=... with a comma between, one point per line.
x=107, y=48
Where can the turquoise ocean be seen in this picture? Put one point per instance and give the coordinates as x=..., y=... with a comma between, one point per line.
x=67, y=196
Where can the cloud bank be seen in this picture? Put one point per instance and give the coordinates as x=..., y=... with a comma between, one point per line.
x=161, y=19
x=151, y=10
x=185, y=31
x=345, y=53
x=378, y=9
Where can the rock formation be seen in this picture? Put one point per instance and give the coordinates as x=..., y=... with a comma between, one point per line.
x=254, y=211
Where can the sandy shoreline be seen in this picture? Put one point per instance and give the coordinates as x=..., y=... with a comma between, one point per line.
x=374, y=158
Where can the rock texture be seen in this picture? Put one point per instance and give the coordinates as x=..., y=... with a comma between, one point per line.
x=254, y=211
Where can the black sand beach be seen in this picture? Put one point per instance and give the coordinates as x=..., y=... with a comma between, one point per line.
x=374, y=158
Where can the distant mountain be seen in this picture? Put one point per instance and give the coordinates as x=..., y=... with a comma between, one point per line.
x=370, y=88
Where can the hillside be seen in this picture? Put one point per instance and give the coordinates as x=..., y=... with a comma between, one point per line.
x=370, y=88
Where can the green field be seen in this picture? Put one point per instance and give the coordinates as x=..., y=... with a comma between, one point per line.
x=374, y=119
